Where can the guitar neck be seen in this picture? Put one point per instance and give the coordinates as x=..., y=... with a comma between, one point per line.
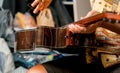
x=98, y=17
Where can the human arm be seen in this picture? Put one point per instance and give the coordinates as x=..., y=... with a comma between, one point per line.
x=75, y=28
x=37, y=69
x=40, y=5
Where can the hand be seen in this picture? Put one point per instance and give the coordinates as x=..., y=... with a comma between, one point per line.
x=91, y=13
x=75, y=28
x=39, y=68
x=40, y=5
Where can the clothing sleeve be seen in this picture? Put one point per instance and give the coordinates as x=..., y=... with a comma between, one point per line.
x=104, y=5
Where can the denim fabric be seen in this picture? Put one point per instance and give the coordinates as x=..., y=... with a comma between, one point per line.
x=2, y=62
x=61, y=13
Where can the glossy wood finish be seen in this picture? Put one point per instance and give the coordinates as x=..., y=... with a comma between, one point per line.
x=61, y=37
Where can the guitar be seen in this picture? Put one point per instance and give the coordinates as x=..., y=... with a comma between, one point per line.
x=51, y=37
x=102, y=19
x=109, y=60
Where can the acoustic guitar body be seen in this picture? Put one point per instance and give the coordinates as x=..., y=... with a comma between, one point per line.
x=50, y=37
x=24, y=40
x=43, y=36
x=54, y=38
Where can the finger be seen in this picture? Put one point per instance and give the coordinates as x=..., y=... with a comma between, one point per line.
x=81, y=18
x=47, y=3
x=36, y=2
x=71, y=27
x=80, y=29
x=74, y=29
x=91, y=13
x=38, y=8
